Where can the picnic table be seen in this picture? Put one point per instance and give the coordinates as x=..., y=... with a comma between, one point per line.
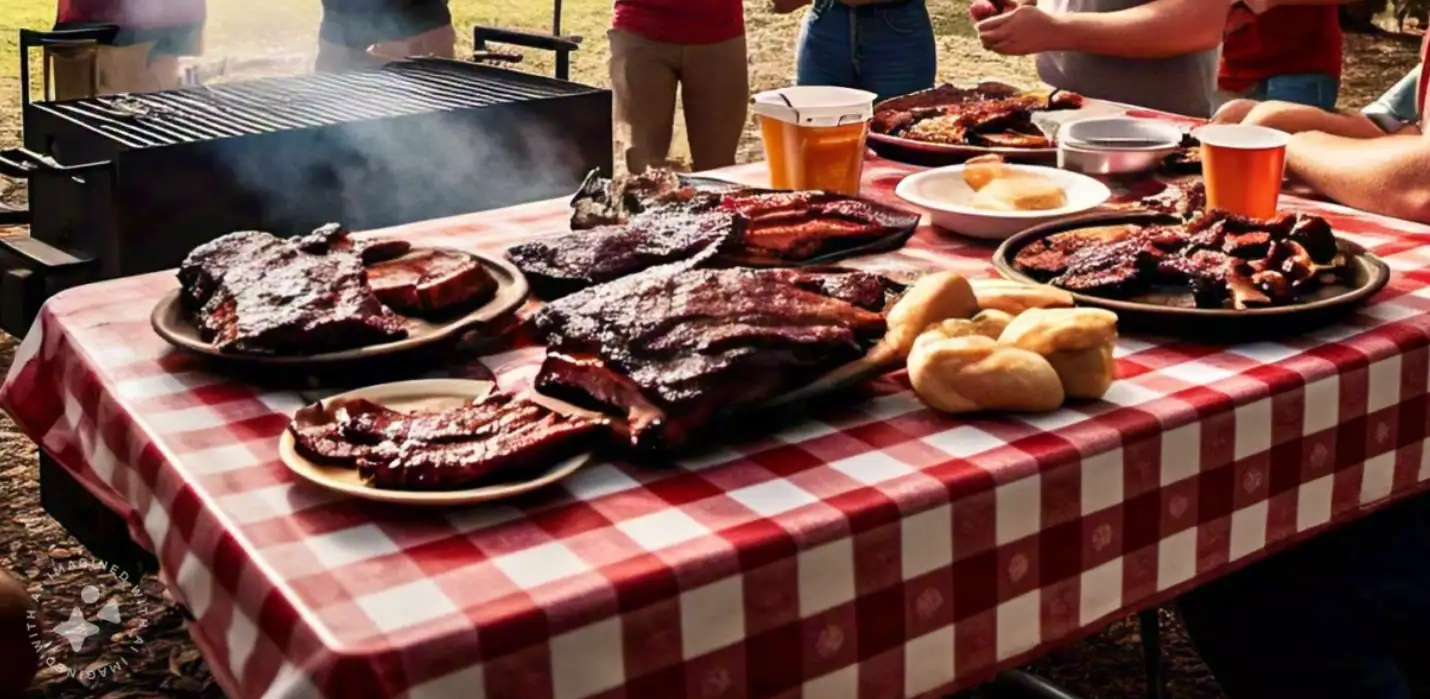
x=875, y=550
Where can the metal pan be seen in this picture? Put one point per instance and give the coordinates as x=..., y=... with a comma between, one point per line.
x=1368, y=275
x=173, y=323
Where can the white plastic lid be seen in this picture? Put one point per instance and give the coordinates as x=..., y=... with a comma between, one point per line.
x=816, y=105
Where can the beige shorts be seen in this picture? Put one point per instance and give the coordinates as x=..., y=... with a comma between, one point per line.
x=714, y=86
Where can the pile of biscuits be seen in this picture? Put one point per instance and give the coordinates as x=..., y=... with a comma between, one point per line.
x=998, y=345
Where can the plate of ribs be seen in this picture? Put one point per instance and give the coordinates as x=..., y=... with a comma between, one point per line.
x=329, y=297
x=626, y=225
x=437, y=442
x=948, y=124
x=1213, y=274
x=671, y=351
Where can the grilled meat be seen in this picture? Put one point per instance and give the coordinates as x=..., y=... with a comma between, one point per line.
x=603, y=202
x=1178, y=199
x=333, y=237
x=991, y=114
x=253, y=292
x=665, y=349
x=431, y=283
x=441, y=450
x=567, y=263
x=1225, y=260
x=748, y=227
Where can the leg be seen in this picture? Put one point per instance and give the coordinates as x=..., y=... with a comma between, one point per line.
x=896, y=49
x=643, y=78
x=1310, y=89
x=1321, y=621
x=825, y=53
x=715, y=91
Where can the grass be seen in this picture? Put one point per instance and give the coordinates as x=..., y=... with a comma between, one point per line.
x=274, y=36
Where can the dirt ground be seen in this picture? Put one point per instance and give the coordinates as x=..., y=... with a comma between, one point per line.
x=148, y=654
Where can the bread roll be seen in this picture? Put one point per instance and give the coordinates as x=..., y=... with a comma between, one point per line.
x=1077, y=342
x=974, y=373
x=933, y=298
x=1015, y=297
x=1020, y=192
x=978, y=172
x=989, y=324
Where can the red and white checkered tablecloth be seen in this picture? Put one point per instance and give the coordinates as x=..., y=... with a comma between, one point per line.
x=878, y=551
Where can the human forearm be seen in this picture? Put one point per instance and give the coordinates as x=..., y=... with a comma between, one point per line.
x=1159, y=29
x=1388, y=175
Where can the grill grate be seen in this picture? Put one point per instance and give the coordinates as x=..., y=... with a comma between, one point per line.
x=319, y=99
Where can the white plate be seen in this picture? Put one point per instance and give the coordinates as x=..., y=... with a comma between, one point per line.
x=430, y=394
x=945, y=196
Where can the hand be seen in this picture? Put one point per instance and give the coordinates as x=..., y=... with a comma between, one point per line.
x=1234, y=112
x=980, y=10
x=1025, y=30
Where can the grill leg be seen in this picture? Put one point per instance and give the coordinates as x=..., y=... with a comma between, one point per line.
x=95, y=526
x=1151, y=632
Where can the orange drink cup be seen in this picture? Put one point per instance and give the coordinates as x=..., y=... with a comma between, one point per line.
x=1243, y=167
x=814, y=136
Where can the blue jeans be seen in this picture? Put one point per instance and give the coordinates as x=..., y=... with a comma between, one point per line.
x=1311, y=89
x=1330, y=619
x=887, y=50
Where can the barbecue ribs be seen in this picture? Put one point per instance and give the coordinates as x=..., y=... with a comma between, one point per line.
x=743, y=227
x=254, y=292
x=567, y=263
x=666, y=349
x=1222, y=259
x=991, y=114
x=501, y=435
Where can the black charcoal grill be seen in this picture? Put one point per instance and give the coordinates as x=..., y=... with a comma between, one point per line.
x=128, y=185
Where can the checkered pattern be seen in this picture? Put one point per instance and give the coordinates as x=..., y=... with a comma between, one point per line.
x=880, y=550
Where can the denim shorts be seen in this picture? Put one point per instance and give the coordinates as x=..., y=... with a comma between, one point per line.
x=885, y=49
x=1310, y=89
x=359, y=30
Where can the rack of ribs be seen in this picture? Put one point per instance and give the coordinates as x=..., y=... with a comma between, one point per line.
x=499, y=436
x=664, y=351
x=1224, y=260
x=991, y=114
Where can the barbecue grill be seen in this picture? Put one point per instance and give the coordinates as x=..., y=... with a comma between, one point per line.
x=129, y=184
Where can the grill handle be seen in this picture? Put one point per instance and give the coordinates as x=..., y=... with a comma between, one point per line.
x=34, y=39
x=562, y=46
x=32, y=270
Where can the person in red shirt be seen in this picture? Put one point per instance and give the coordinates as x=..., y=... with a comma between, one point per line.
x=153, y=34
x=695, y=45
x=1289, y=53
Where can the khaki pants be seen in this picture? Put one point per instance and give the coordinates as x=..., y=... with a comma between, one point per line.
x=440, y=42
x=714, y=85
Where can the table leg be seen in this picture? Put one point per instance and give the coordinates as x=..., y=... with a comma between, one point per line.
x=95, y=526
x=1151, y=632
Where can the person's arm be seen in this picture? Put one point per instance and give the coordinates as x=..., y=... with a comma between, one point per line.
x=1159, y=29
x=1389, y=175
x=1297, y=118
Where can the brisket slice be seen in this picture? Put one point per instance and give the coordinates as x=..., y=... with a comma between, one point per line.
x=668, y=348
x=501, y=435
x=431, y=283
x=576, y=260
x=254, y=292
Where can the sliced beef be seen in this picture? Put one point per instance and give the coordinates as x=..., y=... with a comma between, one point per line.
x=499, y=436
x=432, y=283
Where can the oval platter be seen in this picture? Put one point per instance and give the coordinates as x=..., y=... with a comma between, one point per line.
x=413, y=395
x=1368, y=273
x=172, y=323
